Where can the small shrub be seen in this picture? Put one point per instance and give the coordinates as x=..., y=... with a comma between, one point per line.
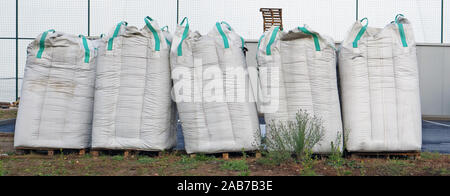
x=235, y=165
x=298, y=137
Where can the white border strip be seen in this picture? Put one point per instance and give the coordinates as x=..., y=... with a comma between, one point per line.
x=436, y=123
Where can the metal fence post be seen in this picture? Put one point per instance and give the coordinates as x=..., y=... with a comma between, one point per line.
x=17, y=50
x=442, y=21
x=89, y=17
x=357, y=5
x=178, y=11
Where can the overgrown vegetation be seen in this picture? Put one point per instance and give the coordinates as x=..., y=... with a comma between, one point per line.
x=430, y=155
x=292, y=137
x=184, y=165
x=2, y=170
x=117, y=158
x=235, y=165
x=336, y=158
x=146, y=160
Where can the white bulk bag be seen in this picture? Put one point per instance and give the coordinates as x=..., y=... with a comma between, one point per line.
x=57, y=93
x=380, y=88
x=133, y=109
x=305, y=63
x=211, y=124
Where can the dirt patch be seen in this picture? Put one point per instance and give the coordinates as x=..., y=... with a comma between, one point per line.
x=6, y=143
x=8, y=113
x=180, y=164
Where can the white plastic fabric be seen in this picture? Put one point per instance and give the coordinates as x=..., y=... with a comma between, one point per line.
x=380, y=90
x=211, y=124
x=57, y=94
x=133, y=109
x=296, y=75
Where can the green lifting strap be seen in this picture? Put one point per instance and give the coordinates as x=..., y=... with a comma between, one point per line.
x=224, y=37
x=185, y=34
x=361, y=32
x=259, y=41
x=401, y=30
x=42, y=43
x=116, y=33
x=87, y=52
x=166, y=28
x=231, y=29
x=243, y=42
x=155, y=34
x=272, y=39
x=316, y=38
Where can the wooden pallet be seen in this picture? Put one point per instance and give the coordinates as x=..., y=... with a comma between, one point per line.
x=227, y=155
x=409, y=155
x=127, y=153
x=272, y=17
x=50, y=151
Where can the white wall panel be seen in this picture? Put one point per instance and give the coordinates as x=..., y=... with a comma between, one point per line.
x=7, y=70
x=425, y=15
x=35, y=17
x=446, y=21
x=105, y=14
x=331, y=17
x=8, y=18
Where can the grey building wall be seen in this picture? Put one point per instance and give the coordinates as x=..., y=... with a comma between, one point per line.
x=434, y=70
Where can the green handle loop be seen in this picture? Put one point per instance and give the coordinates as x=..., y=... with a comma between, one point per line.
x=401, y=30
x=116, y=33
x=42, y=43
x=166, y=28
x=228, y=25
x=87, y=52
x=272, y=39
x=243, y=43
x=224, y=37
x=360, y=33
x=316, y=38
x=155, y=34
x=185, y=34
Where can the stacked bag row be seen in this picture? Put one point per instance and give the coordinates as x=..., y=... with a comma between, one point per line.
x=135, y=73
x=379, y=85
x=130, y=72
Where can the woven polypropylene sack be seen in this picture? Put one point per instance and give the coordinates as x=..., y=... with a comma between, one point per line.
x=211, y=124
x=304, y=62
x=380, y=88
x=57, y=93
x=133, y=109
